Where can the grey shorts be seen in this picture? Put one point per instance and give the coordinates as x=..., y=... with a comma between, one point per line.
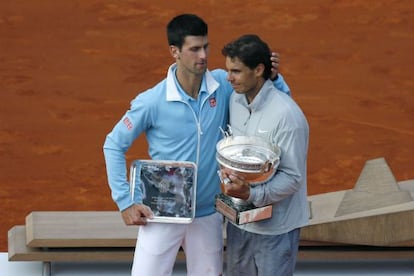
x=253, y=254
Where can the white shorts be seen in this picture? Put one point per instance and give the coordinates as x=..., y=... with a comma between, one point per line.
x=158, y=244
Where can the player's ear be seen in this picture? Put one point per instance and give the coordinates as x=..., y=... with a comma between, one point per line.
x=259, y=70
x=174, y=51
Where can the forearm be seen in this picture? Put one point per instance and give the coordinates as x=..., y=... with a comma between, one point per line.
x=117, y=176
x=279, y=187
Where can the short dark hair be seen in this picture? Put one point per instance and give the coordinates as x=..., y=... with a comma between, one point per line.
x=252, y=51
x=184, y=25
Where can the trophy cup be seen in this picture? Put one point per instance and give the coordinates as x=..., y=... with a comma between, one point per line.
x=256, y=160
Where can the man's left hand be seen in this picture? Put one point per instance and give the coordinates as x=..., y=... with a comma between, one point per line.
x=275, y=58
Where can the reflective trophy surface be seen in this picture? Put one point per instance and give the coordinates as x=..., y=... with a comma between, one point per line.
x=253, y=158
x=167, y=187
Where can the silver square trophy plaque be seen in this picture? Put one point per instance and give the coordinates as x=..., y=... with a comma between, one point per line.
x=167, y=187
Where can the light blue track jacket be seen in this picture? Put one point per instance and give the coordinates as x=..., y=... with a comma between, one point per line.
x=174, y=131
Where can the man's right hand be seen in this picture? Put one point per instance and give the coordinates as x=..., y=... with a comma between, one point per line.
x=136, y=214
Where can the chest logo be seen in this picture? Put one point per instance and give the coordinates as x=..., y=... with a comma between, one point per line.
x=213, y=102
x=262, y=131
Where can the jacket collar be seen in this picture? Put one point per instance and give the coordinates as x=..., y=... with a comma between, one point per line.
x=260, y=98
x=172, y=92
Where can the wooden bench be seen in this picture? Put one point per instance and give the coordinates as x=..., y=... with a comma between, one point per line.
x=99, y=236
x=91, y=236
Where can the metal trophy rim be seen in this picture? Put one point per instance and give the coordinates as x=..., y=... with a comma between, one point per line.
x=248, y=146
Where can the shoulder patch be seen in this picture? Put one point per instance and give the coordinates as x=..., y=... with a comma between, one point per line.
x=127, y=123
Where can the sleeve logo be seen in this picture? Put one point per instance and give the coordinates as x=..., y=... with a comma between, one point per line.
x=127, y=123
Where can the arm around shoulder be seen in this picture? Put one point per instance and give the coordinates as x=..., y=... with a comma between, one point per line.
x=280, y=84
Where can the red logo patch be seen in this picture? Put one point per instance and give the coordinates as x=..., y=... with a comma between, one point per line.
x=213, y=102
x=127, y=123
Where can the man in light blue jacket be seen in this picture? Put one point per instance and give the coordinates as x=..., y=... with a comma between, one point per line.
x=268, y=247
x=181, y=117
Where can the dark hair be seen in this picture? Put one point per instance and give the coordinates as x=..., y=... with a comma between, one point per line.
x=252, y=51
x=184, y=25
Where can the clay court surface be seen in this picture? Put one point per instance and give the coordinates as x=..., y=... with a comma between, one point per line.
x=68, y=70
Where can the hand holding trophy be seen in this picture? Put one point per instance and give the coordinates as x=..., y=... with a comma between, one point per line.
x=244, y=161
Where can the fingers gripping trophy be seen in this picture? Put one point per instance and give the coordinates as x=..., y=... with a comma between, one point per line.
x=251, y=158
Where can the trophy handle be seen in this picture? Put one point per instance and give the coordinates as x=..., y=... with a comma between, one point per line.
x=228, y=132
x=267, y=166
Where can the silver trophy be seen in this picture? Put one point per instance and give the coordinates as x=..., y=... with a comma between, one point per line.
x=167, y=187
x=256, y=160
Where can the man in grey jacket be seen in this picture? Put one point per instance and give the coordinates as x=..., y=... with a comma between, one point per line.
x=257, y=108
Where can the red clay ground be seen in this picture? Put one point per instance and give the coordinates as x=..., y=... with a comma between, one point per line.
x=68, y=70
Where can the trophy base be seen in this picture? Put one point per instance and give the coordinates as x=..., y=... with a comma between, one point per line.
x=241, y=214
